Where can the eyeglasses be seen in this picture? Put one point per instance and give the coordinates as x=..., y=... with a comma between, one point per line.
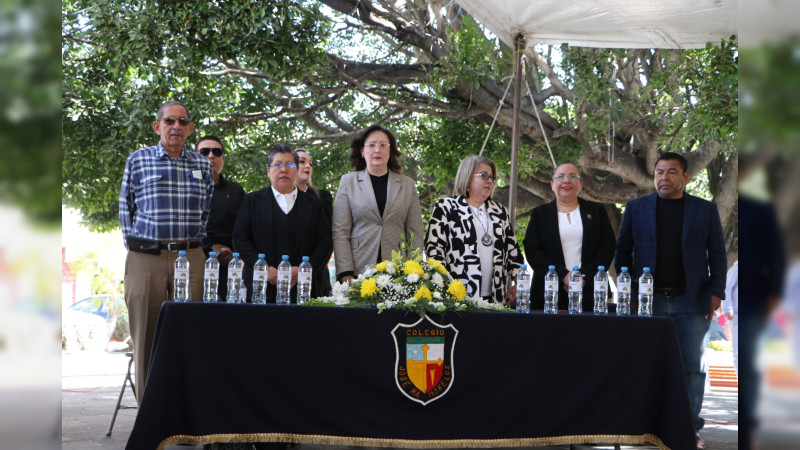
x=572, y=176
x=206, y=150
x=184, y=121
x=280, y=166
x=486, y=176
x=374, y=145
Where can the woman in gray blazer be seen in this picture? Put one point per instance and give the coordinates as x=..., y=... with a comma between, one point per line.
x=375, y=205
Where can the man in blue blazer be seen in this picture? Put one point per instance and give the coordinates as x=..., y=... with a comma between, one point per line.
x=679, y=237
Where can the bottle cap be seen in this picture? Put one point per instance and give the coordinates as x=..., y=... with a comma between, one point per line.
x=574, y=267
x=624, y=268
x=235, y=254
x=212, y=254
x=601, y=267
x=523, y=267
x=646, y=269
x=261, y=255
x=551, y=267
x=182, y=253
x=305, y=258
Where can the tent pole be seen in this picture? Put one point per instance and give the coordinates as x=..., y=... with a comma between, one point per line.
x=519, y=47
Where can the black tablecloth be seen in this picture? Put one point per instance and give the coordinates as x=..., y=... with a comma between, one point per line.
x=249, y=373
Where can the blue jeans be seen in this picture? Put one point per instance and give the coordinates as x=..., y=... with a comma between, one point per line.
x=692, y=330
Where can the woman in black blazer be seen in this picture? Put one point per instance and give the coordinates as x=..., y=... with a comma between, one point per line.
x=305, y=170
x=568, y=231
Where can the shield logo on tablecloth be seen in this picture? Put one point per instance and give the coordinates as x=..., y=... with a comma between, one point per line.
x=424, y=363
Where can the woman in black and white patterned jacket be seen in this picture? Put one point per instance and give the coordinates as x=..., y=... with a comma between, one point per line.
x=471, y=236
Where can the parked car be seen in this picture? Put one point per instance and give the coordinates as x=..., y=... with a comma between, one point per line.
x=94, y=322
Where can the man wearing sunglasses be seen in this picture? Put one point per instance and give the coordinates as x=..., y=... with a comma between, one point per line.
x=164, y=203
x=228, y=196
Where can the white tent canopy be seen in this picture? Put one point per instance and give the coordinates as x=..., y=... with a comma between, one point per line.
x=608, y=23
x=600, y=23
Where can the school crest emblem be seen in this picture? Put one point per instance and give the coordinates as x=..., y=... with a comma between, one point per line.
x=424, y=365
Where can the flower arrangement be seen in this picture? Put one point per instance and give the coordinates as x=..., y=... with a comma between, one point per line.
x=409, y=283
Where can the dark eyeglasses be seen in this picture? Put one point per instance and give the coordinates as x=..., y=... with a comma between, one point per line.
x=206, y=150
x=572, y=176
x=485, y=175
x=182, y=120
x=280, y=166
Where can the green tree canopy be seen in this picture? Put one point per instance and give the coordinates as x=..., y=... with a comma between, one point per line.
x=311, y=73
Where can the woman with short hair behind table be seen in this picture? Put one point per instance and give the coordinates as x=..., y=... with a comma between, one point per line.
x=569, y=231
x=376, y=205
x=470, y=234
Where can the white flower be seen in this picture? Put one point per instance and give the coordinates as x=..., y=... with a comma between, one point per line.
x=342, y=301
x=383, y=281
x=369, y=271
x=480, y=303
x=437, y=280
x=427, y=276
x=412, y=278
x=391, y=268
x=340, y=289
x=438, y=305
x=437, y=295
x=410, y=302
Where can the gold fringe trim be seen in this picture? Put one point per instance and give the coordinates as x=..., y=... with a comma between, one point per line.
x=410, y=443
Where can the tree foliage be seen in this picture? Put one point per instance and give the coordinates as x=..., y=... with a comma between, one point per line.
x=311, y=73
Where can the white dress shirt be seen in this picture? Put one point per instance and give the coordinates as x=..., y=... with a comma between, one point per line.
x=570, y=229
x=285, y=201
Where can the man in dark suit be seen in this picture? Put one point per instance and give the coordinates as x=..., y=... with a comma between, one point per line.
x=282, y=220
x=679, y=237
x=228, y=196
x=763, y=261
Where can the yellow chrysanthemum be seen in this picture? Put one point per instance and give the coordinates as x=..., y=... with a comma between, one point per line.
x=381, y=266
x=457, y=290
x=413, y=267
x=435, y=265
x=423, y=292
x=369, y=287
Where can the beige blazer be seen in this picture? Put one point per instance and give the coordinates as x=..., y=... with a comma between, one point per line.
x=358, y=228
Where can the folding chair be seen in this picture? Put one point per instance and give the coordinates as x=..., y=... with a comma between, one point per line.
x=127, y=380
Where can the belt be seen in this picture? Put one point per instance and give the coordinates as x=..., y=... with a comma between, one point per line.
x=670, y=291
x=182, y=245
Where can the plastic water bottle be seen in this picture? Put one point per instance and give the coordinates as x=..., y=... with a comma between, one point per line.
x=601, y=291
x=211, y=279
x=575, y=291
x=524, y=290
x=260, y=280
x=646, y=293
x=235, y=280
x=182, y=277
x=304, y=275
x=623, y=292
x=551, y=291
x=284, y=281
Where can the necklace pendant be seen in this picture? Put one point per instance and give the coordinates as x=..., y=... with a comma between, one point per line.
x=486, y=240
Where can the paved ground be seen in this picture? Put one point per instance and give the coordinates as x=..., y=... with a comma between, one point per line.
x=91, y=383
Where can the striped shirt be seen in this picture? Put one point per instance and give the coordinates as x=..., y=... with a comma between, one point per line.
x=165, y=198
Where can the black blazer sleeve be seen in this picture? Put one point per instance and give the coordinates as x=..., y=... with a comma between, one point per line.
x=599, y=241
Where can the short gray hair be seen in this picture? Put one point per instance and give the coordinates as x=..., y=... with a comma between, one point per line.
x=465, y=171
x=160, y=113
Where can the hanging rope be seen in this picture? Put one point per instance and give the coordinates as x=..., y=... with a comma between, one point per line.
x=541, y=127
x=610, y=106
x=511, y=78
